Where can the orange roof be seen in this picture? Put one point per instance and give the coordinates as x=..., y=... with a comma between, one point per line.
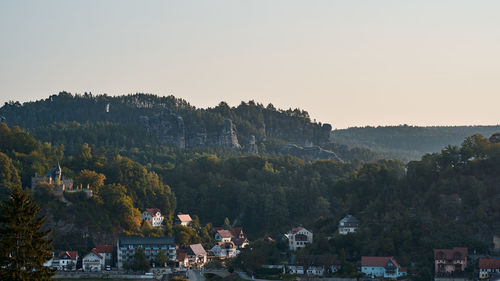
x=72, y=254
x=104, y=249
x=184, y=218
x=489, y=263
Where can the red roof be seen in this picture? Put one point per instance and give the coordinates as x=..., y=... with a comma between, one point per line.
x=95, y=253
x=489, y=263
x=377, y=261
x=456, y=253
x=224, y=233
x=236, y=231
x=152, y=211
x=181, y=254
x=108, y=249
x=226, y=245
x=299, y=228
x=72, y=254
x=185, y=218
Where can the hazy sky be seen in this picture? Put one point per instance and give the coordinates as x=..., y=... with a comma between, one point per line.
x=348, y=63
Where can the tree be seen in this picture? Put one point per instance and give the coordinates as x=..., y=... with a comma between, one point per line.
x=140, y=262
x=24, y=247
x=161, y=258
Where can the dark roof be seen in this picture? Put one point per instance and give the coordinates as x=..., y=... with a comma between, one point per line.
x=451, y=254
x=377, y=261
x=153, y=211
x=349, y=221
x=136, y=240
x=489, y=263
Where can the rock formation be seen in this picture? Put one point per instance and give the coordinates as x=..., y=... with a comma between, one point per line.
x=227, y=136
x=167, y=127
x=252, y=146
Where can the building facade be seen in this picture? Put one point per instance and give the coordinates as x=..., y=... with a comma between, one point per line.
x=348, y=224
x=386, y=267
x=447, y=261
x=153, y=215
x=126, y=247
x=488, y=268
x=299, y=237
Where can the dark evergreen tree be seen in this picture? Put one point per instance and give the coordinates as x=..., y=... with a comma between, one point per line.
x=24, y=246
x=140, y=262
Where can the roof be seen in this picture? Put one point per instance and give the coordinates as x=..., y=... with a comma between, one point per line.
x=236, y=231
x=137, y=240
x=239, y=241
x=377, y=261
x=198, y=250
x=153, y=211
x=184, y=218
x=349, y=221
x=181, y=255
x=72, y=254
x=299, y=228
x=93, y=252
x=451, y=254
x=104, y=249
x=224, y=233
x=489, y=263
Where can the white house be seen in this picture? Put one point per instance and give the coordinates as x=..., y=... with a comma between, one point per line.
x=348, y=224
x=299, y=237
x=223, y=235
x=225, y=250
x=93, y=262
x=154, y=216
x=184, y=219
x=296, y=269
x=66, y=260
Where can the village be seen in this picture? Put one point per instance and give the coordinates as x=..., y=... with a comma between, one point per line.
x=165, y=256
x=448, y=263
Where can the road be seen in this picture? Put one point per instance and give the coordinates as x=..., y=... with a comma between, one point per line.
x=195, y=275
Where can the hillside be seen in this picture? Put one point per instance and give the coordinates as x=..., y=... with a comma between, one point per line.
x=407, y=142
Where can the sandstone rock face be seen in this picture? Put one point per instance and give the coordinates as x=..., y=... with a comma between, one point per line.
x=495, y=138
x=167, y=127
x=252, y=146
x=227, y=136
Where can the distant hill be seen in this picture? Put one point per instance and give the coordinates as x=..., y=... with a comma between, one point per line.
x=408, y=142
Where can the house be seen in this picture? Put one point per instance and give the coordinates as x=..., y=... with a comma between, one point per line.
x=106, y=251
x=315, y=270
x=385, y=267
x=197, y=255
x=182, y=258
x=447, y=261
x=126, y=247
x=223, y=235
x=66, y=260
x=154, y=216
x=296, y=269
x=348, y=224
x=184, y=219
x=488, y=267
x=93, y=261
x=239, y=238
x=225, y=249
x=299, y=237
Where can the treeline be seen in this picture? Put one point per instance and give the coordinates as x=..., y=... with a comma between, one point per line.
x=407, y=142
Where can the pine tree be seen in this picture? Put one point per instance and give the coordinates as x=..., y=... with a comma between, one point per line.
x=24, y=247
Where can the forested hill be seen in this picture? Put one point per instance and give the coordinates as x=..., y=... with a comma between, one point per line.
x=172, y=121
x=408, y=142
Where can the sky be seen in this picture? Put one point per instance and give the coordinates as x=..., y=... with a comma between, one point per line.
x=348, y=63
